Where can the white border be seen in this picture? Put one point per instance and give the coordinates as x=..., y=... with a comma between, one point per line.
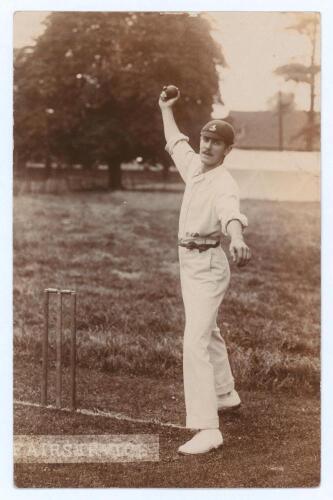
x=7, y=8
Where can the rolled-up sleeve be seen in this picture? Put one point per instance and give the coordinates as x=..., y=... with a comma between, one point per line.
x=227, y=207
x=181, y=153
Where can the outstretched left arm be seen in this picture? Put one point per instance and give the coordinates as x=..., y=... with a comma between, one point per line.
x=233, y=222
x=239, y=250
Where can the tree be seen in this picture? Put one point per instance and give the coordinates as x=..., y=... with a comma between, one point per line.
x=101, y=74
x=281, y=103
x=307, y=24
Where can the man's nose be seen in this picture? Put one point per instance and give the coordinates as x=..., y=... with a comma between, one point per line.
x=208, y=143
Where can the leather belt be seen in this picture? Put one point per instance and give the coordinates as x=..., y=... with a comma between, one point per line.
x=194, y=245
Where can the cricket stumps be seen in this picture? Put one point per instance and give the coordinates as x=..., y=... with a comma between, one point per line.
x=48, y=292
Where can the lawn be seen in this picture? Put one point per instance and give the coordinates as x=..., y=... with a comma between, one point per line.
x=119, y=251
x=272, y=442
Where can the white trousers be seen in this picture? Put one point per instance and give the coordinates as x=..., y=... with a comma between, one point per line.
x=204, y=279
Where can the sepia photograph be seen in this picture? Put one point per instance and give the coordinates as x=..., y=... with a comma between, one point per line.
x=166, y=249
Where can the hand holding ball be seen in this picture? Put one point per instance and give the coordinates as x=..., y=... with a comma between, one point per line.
x=169, y=92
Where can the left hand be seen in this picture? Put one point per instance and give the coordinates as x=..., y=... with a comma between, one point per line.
x=239, y=251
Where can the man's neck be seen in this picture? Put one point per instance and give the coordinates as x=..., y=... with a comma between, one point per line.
x=206, y=168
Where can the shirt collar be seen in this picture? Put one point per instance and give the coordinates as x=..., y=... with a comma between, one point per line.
x=213, y=173
x=210, y=175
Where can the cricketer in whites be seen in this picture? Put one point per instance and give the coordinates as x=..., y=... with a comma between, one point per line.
x=210, y=207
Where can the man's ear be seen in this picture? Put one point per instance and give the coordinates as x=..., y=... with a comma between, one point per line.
x=229, y=148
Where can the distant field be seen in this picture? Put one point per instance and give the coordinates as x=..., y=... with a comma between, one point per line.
x=261, y=175
x=118, y=250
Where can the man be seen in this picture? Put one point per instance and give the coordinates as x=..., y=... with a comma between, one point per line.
x=210, y=206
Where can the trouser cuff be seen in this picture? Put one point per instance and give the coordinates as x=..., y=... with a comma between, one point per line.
x=225, y=388
x=201, y=423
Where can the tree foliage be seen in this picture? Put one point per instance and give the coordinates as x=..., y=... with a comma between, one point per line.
x=298, y=72
x=100, y=75
x=307, y=24
x=282, y=101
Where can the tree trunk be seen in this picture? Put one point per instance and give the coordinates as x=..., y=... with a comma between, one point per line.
x=280, y=122
x=165, y=172
x=47, y=168
x=115, y=175
x=311, y=114
x=18, y=164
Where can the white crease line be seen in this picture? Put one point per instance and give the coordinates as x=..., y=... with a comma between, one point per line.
x=101, y=413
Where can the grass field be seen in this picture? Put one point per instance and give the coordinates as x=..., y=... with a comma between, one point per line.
x=119, y=251
x=268, y=444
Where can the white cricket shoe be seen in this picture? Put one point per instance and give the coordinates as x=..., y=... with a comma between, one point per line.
x=229, y=401
x=204, y=441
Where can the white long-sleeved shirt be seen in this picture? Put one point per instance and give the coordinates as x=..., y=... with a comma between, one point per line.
x=211, y=199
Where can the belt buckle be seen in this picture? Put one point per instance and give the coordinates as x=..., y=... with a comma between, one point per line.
x=191, y=245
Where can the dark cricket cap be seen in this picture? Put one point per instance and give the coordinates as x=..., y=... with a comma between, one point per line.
x=219, y=129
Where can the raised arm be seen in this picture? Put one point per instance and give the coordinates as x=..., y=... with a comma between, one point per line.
x=177, y=143
x=171, y=129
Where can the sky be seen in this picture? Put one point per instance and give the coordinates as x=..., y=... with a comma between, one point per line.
x=254, y=44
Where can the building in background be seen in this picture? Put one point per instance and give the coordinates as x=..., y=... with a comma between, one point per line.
x=260, y=130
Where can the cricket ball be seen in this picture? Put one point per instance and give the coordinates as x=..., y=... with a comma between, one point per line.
x=170, y=92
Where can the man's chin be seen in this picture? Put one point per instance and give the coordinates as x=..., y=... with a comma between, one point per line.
x=208, y=162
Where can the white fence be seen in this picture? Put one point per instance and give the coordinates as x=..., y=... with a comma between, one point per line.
x=275, y=175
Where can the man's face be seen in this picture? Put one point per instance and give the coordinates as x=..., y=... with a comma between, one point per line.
x=212, y=151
